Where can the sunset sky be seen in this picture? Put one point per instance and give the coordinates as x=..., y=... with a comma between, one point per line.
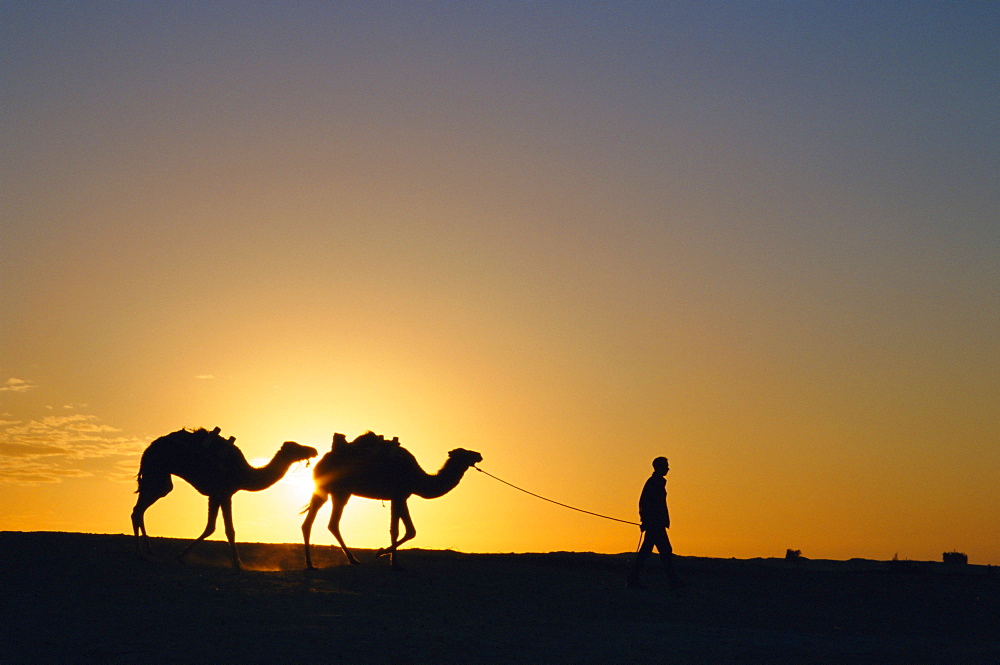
x=758, y=238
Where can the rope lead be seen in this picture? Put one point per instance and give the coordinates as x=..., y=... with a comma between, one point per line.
x=538, y=496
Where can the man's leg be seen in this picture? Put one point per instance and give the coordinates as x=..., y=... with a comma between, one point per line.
x=645, y=549
x=667, y=558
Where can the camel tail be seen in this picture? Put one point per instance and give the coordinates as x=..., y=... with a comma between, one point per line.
x=313, y=500
x=138, y=481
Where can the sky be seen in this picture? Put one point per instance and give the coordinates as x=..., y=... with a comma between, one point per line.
x=759, y=238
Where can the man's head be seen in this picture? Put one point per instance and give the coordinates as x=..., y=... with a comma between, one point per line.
x=661, y=465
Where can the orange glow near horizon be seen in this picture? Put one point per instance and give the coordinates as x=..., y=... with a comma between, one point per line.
x=730, y=493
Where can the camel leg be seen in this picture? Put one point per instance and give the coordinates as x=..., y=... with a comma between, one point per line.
x=411, y=531
x=400, y=512
x=393, y=531
x=339, y=502
x=139, y=524
x=213, y=515
x=151, y=491
x=227, y=520
x=315, y=504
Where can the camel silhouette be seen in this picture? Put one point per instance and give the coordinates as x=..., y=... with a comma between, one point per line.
x=374, y=468
x=212, y=465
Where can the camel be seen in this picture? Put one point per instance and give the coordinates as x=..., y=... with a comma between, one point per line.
x=374, y=468
x=212, y=465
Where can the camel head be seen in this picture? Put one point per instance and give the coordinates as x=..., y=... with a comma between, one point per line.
x=296, y=452
x=465, y=457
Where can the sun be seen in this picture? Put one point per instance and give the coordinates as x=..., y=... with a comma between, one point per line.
x=300, y=478
x=297, y=482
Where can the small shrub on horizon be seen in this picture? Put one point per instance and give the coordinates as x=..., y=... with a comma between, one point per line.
x=955, y=557
x=903, y=565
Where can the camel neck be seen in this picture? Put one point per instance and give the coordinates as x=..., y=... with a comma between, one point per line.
x=444, y=481
x=260, y=478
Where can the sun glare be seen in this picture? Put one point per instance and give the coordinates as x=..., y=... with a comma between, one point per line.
x=298, y=480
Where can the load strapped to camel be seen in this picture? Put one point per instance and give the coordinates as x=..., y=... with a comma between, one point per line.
x=369, y=445
x=212, y=443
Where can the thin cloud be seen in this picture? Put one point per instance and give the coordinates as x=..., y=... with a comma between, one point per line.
x=58, y=447
x=14, y=385
x=38, y=475
x=18, y=478
x=30, y=450
x=205, y=377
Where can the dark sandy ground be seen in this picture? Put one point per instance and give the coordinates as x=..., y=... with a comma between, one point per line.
x=69, y=597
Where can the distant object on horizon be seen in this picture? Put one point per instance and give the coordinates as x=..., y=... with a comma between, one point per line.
x=959, y=558
x=212, y=465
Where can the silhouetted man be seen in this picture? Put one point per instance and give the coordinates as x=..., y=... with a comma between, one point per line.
x=655, y=520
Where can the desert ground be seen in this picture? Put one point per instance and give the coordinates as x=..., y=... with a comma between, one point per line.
x=71, y=597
